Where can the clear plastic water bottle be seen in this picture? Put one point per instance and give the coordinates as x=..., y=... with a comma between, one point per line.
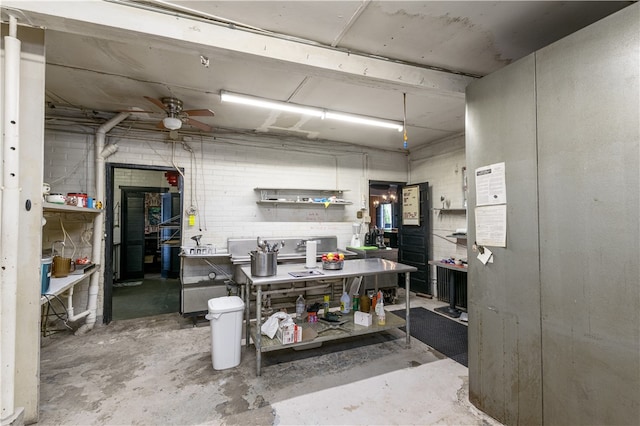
x=300, y=306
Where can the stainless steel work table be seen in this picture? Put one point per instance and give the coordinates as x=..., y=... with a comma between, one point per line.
x=352, y=268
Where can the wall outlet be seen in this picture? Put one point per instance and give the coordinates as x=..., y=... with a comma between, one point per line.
x=359, y=214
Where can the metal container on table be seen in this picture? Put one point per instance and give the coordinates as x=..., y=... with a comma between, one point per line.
x=264, y=264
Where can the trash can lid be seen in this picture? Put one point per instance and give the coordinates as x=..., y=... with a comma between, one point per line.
x=220, y=305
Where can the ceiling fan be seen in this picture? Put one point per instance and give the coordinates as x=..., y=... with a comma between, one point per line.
x=176, y=116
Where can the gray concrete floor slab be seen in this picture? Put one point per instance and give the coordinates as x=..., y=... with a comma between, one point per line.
x=158, y=371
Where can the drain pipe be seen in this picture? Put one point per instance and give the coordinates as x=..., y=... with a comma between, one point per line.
x=70, y=316
x=10, y=202
x=98, y=223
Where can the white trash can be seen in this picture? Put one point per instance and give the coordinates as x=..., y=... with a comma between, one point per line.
x=225, y=317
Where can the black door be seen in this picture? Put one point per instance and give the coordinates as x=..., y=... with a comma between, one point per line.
x=133, y=244
x=413, y=242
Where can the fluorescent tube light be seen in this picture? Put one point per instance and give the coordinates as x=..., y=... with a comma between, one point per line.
x=301, y=109
x=264, y=103
x=363, y=120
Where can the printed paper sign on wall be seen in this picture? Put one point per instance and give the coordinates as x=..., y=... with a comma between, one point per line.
x=411, y=205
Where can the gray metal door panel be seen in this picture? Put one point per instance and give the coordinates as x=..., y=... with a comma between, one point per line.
x=504, y=296
x=588, y=133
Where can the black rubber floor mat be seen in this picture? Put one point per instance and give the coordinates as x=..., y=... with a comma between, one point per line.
x=444, y=335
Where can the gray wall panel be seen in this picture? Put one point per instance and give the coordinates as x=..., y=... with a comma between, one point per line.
x=570, y=329
x=504, y=297
x=588, y=132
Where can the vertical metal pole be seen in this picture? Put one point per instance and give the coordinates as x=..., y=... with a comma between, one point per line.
x=247, y=311
x=258, y=340
x=407, y=281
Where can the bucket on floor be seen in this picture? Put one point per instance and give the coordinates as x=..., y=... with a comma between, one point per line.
x=45, y=274
x=225, y=317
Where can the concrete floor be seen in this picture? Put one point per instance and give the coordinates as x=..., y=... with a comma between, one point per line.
x=157, y=370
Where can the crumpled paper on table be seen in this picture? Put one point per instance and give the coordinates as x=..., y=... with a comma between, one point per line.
x=271, y=325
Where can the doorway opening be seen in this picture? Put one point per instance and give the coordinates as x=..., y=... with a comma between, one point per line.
x=384, y=199
x=143, y=236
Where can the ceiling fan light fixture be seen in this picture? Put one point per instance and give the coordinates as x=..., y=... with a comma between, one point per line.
x=172, y=123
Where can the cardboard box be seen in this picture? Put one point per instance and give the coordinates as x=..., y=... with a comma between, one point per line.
x=290, y=333
x=362, y=318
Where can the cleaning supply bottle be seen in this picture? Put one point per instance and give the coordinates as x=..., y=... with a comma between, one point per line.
x=327, y=298
x=300, y=306
x=345, y=303
x=380, y=309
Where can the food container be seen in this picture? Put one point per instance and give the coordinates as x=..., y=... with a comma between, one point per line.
x=45, y=273
x=328, y=264
x=79, y=197
x=56, y=198
x=264, y=264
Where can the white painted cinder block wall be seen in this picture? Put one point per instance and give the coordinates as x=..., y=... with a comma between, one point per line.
x=442, y=166
x=220, y=178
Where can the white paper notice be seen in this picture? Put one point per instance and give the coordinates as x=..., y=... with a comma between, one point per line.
x=485, y=256
x=490, y=185
x=491, y=225
x=411, y=205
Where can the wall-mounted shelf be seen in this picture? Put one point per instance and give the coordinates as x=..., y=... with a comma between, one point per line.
x=451, y=211
x=53, y=207
x=302, y=197
x=458, y=236
x=58, y=286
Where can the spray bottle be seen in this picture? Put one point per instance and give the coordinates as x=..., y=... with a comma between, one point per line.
x=380, y=309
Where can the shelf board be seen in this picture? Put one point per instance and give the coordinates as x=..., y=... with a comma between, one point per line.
x=301, y=189
x=58, y=286
x=53, y=207
x=340, y=203
x=451, y=210
x=458, y=236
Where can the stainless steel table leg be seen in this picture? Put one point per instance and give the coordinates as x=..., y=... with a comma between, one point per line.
x=258, y=340
x=247, y=313
x=407, y=280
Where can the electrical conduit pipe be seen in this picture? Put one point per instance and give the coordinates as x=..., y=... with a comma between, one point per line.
x=98, y=222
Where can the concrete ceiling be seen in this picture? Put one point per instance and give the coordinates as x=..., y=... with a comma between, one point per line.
x=358, y=57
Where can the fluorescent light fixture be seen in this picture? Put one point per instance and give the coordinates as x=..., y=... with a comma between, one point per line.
x=301, y=109
x=264, y=103
x=349, y=118
x=172, y=123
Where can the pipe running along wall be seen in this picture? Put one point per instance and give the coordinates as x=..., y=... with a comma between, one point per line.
x=98, y=222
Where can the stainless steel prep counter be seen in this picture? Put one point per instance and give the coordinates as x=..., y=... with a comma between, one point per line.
x=352, y=268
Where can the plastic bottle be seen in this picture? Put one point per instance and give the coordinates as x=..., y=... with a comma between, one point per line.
x=300, y=306
x=345, y=303
x=380, y=309
x=327, y=298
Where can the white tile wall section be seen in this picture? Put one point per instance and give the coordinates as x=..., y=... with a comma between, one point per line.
x=442, y=167
x=220, y=178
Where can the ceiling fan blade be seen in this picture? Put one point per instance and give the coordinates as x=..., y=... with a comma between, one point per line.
x=200, y=125
x=156, y=102
x=199, y=112
x=160, y=125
